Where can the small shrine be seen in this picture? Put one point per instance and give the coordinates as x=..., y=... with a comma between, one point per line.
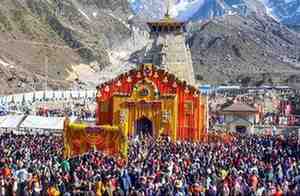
x=239, y=117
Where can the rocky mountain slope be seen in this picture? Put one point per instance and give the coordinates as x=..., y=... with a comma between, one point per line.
x=250, y=50
x=48, y=37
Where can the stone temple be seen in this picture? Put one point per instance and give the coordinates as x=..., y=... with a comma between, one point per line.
x=169, y=50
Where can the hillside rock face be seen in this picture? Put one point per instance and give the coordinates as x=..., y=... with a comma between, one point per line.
x=249, y=50
x=46, y=37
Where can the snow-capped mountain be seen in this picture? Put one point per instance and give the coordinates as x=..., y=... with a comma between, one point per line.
x=195, y=9
x=287, y=11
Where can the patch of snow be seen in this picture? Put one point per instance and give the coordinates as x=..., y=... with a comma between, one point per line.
x=185, y=9
x=132, y=1
x=5, y=64
x=117, y=18
x=85, y=73
x=84, y=14
x=269, y=9
x=77, y=5
x=232, y=13
x=270, y=13
x=95, y=14
x=119, y=65
x=289, y=1
x=119, y=59
x=222, y=4
x=119, y=56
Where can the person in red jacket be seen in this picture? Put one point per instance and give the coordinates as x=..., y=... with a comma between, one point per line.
x=279, y=191
x=253, y=181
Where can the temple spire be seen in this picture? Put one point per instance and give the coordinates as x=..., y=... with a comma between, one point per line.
x=167, y=14
x=168, y=48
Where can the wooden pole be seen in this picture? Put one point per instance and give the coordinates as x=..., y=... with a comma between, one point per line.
x=207, y=112
x=46, y=73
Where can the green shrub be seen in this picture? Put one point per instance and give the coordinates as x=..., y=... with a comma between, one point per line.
x=5, y=23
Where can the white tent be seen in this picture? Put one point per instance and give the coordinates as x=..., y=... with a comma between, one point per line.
x=18, y=98
x=58, y=94
x=2, y=118
x=49, y=94
x=82, y=94
x=11, y=121
x=9, y=98
x=67, y=95
x=39, y=94
x=40, y=122
x=91, y=93
x=29, y=96
x=74, y=94
x=3, y=99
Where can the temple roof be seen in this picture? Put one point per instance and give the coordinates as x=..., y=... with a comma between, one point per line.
x=239, y=107
x=240, y=121
x=166, y=20
x=162, y=72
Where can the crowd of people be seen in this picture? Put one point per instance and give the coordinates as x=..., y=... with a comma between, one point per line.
x=81, y=112
x=247, y=165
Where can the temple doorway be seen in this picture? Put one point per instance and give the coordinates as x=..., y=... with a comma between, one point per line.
x=241, y=129
x=144, y=126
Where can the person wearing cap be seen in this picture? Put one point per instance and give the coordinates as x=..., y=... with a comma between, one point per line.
x=179, y=189
x=36, y=191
